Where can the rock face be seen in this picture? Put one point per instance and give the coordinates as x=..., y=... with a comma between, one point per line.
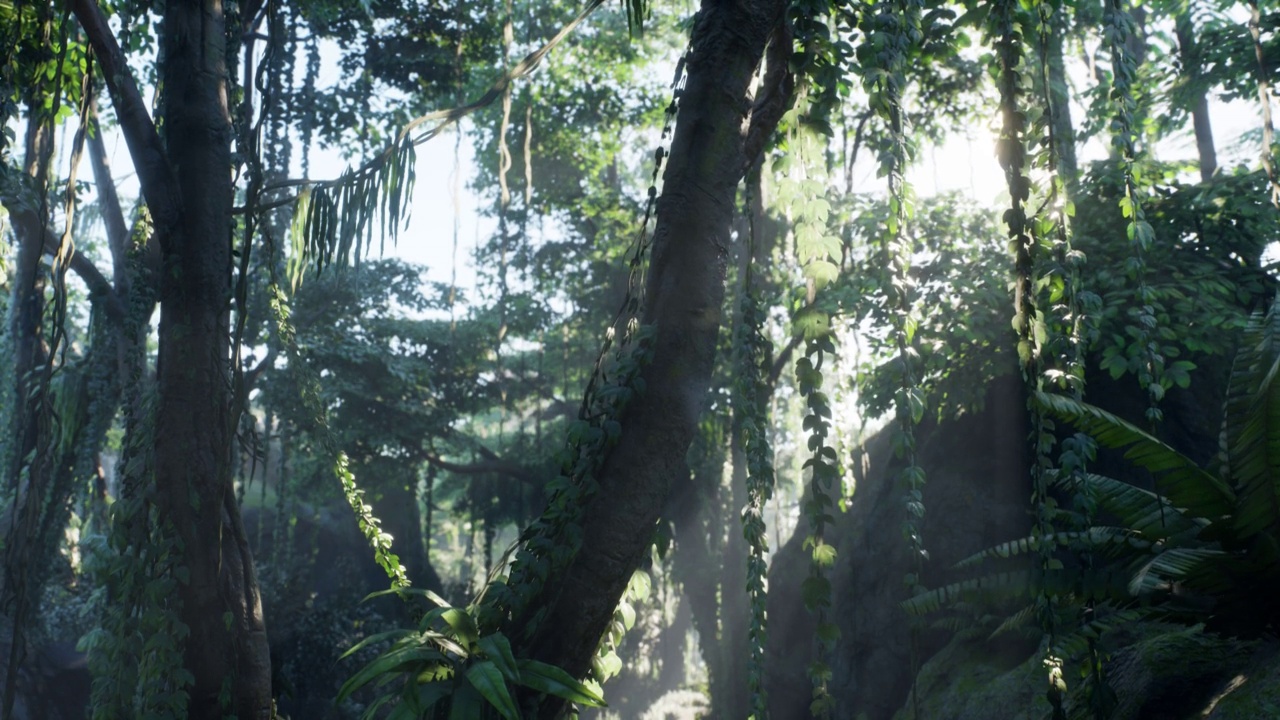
x=977, y=495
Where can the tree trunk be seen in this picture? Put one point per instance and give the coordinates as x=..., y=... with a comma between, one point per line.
x=1189, y=55
x=27, y=469
x=685, y=291
x=1064, y=133
x=227, y=651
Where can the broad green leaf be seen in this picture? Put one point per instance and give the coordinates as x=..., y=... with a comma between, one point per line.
x=463, y=626
x=466, y=703
x=497, y=648
x=487, y=679
x=552, y=680
x=1186, y=484
x=390, y=662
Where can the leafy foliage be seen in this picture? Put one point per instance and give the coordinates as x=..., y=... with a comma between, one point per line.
x=448, y=668
x=1203, y=550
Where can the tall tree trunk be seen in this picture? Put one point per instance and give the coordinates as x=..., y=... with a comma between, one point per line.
x=685, y=291
x=226, y=651
x=1064, y=133
x=697, y=519
x=27, y=469
x=1192, y=69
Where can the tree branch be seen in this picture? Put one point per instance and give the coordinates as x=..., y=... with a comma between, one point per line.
x=159, y=188
x=780, y=362
x=100, y=288
x=109, y=202
x=496, y=466
x=774, y=96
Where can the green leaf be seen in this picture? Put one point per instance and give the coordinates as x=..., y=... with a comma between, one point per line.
x=463, y=626
x=372, y=639
x=466, y=703
x=487, y=679
x=497, y=648
x=389, y=663
x=1187, y=485
x=551, y=680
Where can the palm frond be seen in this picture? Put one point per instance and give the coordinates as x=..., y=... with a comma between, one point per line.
x=334, y=220
x=1021, y=619
x=337, y=221
x=637, y=12
x=1251, y=426
x=1186, y=484
x=1142, y=511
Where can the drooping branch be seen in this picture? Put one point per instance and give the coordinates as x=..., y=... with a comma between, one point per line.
x=158, y=185
x=443, y=119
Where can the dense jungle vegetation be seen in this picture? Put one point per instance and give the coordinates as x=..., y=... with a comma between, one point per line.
x=731, y=398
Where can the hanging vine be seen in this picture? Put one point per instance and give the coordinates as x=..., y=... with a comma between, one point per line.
x=1072, y=305
x=1143, y=354
x=893, y=35
x=1029, y=324
x=752, y=364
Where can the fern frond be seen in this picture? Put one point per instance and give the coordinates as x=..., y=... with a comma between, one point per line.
x=1251, y=427
x=1026, y=616
x=1076, y=642
x=1096, y=538
x=1185, y=483
x=1172, y=566
x=991, y=587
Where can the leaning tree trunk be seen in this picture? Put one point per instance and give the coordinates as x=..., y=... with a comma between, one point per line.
x=227, y=647
x=685, y=293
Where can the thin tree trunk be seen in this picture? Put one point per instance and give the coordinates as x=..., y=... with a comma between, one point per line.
x=1063, y=129
x=28, y=413
x=1189, y=54
x=227, y=648
x=735, y=613
x=685, y=291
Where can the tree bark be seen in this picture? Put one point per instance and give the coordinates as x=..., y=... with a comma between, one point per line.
x=685, y=291
x=226, y=652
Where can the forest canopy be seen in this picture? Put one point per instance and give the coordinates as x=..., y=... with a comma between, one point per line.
x=409, y=359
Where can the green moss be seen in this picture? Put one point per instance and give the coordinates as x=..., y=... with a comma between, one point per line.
x=1160, y=671
x=1253, y=693
x=967, y=681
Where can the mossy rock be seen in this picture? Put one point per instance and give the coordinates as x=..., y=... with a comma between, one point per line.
x=969, y=680
x=1252, y=693
x=1161, y=672
x=1173, y=672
